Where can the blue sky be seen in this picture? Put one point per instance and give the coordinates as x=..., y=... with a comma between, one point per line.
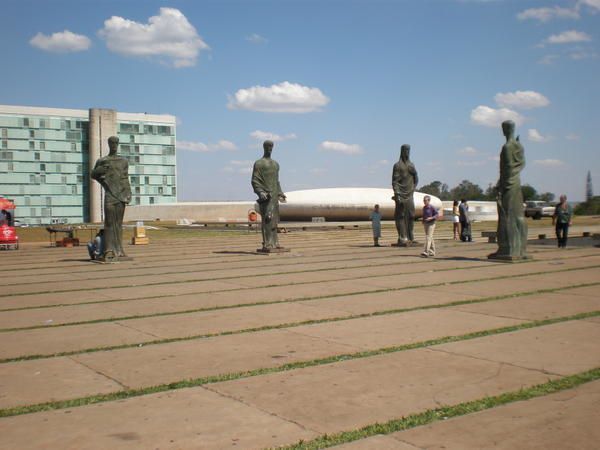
x=339, y=85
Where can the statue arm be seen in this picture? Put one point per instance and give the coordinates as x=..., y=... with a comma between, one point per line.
x=396, y=181
x=257, y=184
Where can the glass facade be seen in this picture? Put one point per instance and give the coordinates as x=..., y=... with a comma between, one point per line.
x=44, y=162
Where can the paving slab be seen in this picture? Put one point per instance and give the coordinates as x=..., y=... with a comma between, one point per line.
x=378, y=442
x=351, y=394
x=30, y=382
x=563, y=348
x=156, y=364
x=183, y=419
x=65, y=339
x=403, y=328
x=56, y=315
x=536, y=307
x=565, y=420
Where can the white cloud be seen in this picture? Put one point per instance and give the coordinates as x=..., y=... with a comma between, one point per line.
x=61, y=42
x=284, y=97
x=549, y=162
x=548, y=59
x=521, y=99
x=340, y=147
x=579, y=54
x=205, y=148
x=535, y=136
x=168, y=37
x=239, y=166
x=470, y=163
x=548, y=13
x=572, y=137
x=468, y=151
x=268, y=136
x=592, y=4
x=568, y=37
x=237, y=162
x=255, y=38
x=490, y=117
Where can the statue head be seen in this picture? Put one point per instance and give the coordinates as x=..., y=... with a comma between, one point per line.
x=268, y=148
x=405, y=152
x=508, y=129
x=113, y=144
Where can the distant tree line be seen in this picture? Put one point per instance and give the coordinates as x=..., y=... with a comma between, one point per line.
x=471, y=191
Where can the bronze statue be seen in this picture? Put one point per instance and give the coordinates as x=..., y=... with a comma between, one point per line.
x=112, y=173
x=512, y=228
x=404, y=182
x=265, y=182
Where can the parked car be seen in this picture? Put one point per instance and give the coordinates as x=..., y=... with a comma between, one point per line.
x=538, y=209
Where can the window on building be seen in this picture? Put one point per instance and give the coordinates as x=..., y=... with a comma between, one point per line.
x=137, y=148
x=36, y=156
x=74, y=189
x=152, y=200
x=73, y=146
x=4, y=132
x=31, y=145
x=174, y=191
x=131, y=138
x=67, y=124
x=32, y=179
x=137, y=200
x=27, y=201
x=134, y=180
x=26, y=121
x=146, y=180
x=79, y=179
x=42, y=178
x=137, y=159
x=48, y=201
x=63, y=179
x=165, y=180
x=42, y=167
x=11, y=167
x=160, y=190
x=78, y=124
x=42, y=123
x=137, y=189
x=73, y=135
x=32, y=212
x=58, y=168
x=4, y=143
x=31, y=134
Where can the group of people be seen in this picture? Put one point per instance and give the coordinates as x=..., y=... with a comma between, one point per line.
x=561, y=220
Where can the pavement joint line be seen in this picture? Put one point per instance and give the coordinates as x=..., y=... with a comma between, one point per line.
x=287, y=325
x=229, y=277
x=196, y=382
x=447, y=412
x=281, y=285
x=366, y=266
x=297, y=300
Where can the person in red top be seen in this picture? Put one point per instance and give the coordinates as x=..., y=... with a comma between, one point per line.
x=430, y=214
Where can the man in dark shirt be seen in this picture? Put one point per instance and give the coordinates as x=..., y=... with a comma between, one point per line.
x=430, y=215
x=465, y=221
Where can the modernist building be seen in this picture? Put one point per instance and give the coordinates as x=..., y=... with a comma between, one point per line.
x=46, y=155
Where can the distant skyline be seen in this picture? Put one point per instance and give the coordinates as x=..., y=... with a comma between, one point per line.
x=338, y=85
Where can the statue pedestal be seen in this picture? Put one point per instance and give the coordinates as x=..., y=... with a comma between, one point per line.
x=112, y=260
x=268, y=251
x=508, y=258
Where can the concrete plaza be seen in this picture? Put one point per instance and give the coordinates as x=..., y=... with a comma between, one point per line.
x=201, y=343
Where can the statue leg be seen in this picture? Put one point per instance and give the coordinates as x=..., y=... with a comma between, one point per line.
x=410, y=220
x=400, y=217
x=119, y=213
x=111, y=216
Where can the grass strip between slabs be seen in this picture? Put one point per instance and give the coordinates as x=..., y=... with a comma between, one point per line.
x=447, y=412
x=292, y=300
x=183, y=384
x=292, y=324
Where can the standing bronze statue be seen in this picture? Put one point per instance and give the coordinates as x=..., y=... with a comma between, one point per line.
x=112, y=173
x=265, y=182
x=404, y=182
x=512, y=227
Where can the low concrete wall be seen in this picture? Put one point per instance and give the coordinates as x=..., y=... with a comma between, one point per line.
x=195, y=211
x=479, y=211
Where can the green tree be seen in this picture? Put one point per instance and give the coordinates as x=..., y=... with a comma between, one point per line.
x=437, y=188
x=491, y=193
x=529, y=192
x=467, y=190
x=546, y=197
x=589, y=189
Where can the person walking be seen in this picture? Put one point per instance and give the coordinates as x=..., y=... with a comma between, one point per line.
x=375, y=217
x=465, y=221
x=455, y=219
x=562, y=219
x=430, y=214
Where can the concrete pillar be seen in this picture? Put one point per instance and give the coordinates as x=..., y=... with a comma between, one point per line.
x=103, y=124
